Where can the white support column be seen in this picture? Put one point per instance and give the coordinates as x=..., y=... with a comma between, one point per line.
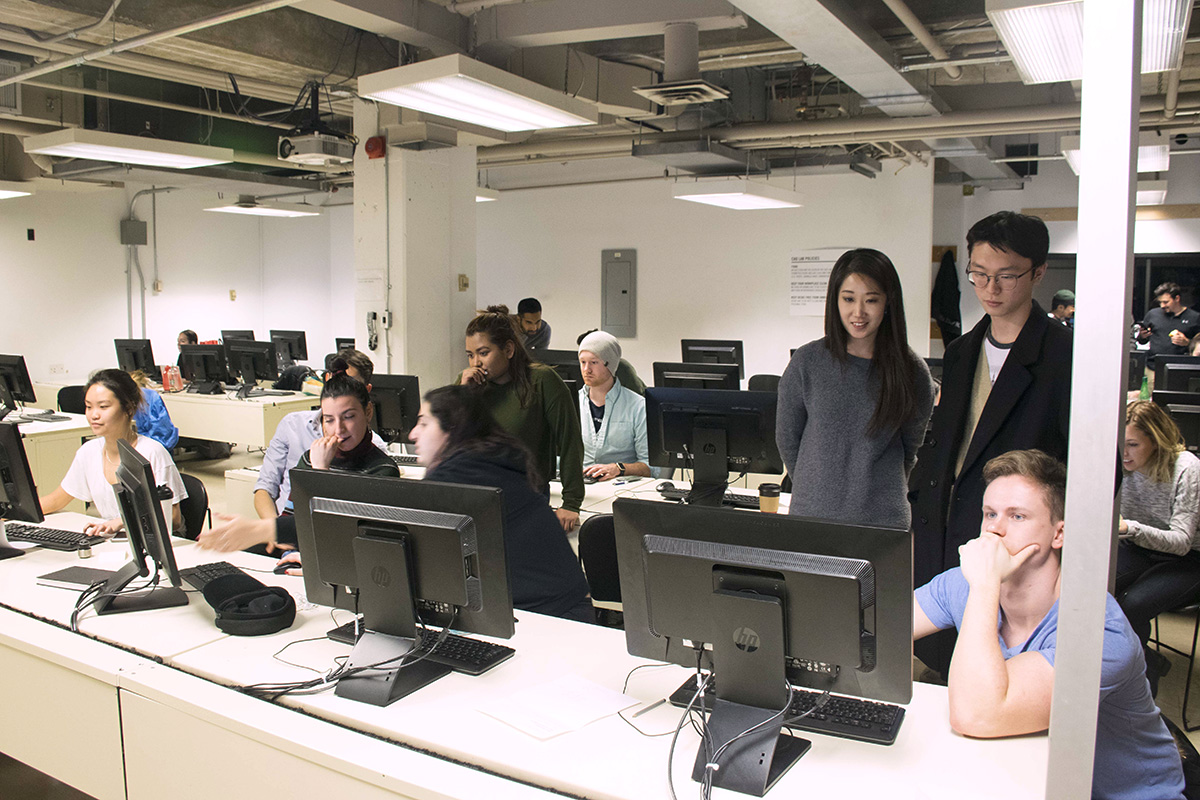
x=1111, y=93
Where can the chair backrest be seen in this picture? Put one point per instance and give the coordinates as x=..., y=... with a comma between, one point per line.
x=763, y=383
x=70, y=399
x=194, y=507
x=598, y=554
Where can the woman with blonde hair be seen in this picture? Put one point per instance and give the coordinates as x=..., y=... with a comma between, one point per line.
x=1158, y=566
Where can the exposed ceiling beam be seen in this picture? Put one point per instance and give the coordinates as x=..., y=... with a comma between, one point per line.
x=416, y=22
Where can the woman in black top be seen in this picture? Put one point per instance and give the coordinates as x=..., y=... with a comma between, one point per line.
x=458, y=442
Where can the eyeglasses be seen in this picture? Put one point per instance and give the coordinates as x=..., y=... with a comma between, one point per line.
x=1005, y=280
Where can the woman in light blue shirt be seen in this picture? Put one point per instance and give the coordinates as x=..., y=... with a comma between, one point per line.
x=612, y=418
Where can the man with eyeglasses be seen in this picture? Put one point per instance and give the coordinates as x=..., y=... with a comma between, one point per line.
x=1006, y=385
x=1171, y=325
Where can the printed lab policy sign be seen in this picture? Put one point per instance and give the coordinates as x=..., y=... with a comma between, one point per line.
x=808, y=278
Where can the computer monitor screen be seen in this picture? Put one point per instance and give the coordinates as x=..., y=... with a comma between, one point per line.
x=7, y=403
x=1160, y=368
x=251, y=361
x=18, y=493
x=1166, y=399
x=397, y=400
x=342, y=343
x=240, y=335
x=404, y=553
x=714, y=351
x=1180, y=377
x=15, y=377
x=566, y=364
x=681, y=375
x=712, y=432
x=203, y=363
x=135, y=354
x=291, y=347
x=1187, y=417
x=766, y=601
x=149, y=534
x=1137, y=369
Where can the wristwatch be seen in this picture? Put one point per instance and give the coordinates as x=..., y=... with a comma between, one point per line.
x=621, y=467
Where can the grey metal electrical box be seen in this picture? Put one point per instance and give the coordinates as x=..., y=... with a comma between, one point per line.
x=133, y=231
x=618, y=284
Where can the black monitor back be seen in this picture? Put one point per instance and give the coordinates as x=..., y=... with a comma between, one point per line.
x=1137, y=369
x=16, y=376
x=292, y=346
x=747, y=417
x=683, y=375
x=714, y=351
x=482, y=504
x=239, y=335
x=397, y=401
x=18, y=493
x=204, y=362
x=251, y=360
x=1160, y=367
x=1181, y=377
x=148, y=529
x=135, y=354
x=341, y=343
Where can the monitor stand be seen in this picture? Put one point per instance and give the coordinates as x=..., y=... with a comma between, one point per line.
x=748, y=662
x=710, y=462
x=155, y=597
x=6, y=549
x=205, y=387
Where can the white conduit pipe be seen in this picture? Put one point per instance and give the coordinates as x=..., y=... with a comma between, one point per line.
x=917, y=29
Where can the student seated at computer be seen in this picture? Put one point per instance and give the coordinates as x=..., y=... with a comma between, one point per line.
x=294, y=436
x=185, y=337
x=625, y=371
x=346, y=412
x=110, y=400
x=613, y=418
x=459, y=442
x=1002, y=674
x=853, y=405
x=529, y=401
x=152, y=418
x=1158, y=565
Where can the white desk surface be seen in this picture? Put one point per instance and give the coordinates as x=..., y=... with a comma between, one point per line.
x=76, y=423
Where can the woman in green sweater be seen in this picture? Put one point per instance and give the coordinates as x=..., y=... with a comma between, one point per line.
x=529, y=401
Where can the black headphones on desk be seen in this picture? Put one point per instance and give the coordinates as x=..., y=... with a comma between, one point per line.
x=247, y=607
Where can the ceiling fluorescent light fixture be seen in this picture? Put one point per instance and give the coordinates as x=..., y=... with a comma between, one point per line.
x=1045, y=37
x=485, y=195
x=461, y=88
x=738, y=194
x=1154, y=152
x=124, y=149
x=248, y=205
x=1151, y=193
x=10, y=189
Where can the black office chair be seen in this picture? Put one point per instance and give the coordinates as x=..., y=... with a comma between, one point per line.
x=763, y=383
x=1190, y=759
x=194, y=507
x=70, y=399
x=598, y=555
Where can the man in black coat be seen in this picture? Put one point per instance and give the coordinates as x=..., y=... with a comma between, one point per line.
x=1006, y=385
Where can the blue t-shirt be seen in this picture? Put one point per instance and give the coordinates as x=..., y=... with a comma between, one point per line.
x=152, y=420
x=1136, y=758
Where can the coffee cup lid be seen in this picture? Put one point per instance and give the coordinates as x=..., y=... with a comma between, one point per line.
x=769, y=489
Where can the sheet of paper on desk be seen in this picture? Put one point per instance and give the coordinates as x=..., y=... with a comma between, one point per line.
x=560, y=706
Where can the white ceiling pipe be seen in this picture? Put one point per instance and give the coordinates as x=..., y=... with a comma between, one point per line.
x=927, y=40
x=1171, y=99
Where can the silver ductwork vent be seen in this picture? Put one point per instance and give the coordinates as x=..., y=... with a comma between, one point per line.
x=681, y=83
x=702, y=157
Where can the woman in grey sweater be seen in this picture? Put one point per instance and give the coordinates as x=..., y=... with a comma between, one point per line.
x=854, y=404
x=1158, y=566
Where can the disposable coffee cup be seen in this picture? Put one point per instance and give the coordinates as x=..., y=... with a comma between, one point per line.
x=768, y=498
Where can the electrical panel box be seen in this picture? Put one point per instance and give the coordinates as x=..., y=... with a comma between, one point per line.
x=618, y=283
x=133, y=231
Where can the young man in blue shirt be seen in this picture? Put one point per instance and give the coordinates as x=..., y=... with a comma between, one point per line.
x=1003, y=599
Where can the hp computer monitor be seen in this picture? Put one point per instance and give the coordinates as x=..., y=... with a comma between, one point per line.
x=712, y=432
x=18, y=493
x=252, y=361
x=1137, y=369
x=1180, y=376
x=682, y=375
x=15, y=376
x=765, y=601
x=291, y=347
x=397, y=400
x=136, y=354
x=239, y=335
x=149, y=534
x=714, y=351
x=342, y=343
x=204, y=364
x=406, y=554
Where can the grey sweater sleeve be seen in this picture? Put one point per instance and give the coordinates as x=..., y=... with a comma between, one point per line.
x=791, y=415
x=912, y=433
x=1179, y=538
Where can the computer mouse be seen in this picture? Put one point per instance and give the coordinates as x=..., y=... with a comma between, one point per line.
x=590, y=479
x=283, y=566
x=662, y=487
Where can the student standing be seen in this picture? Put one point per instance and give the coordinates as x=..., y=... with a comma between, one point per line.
x=529, y=401
x=1169, y=326
x=853, y=405
x=535, y=329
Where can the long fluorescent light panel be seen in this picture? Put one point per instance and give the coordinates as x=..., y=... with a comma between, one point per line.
x=740, y=195
x=124, y=149
x=11, y=189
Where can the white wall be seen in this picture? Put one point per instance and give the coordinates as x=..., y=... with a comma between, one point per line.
x=702, y=272
x=66, y=294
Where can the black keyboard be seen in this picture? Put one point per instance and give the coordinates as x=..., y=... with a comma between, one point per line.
x=401, y=459
x=198, y=576
x=735, y=499
x=460, y=653
x=50, y=538
x=848, y=717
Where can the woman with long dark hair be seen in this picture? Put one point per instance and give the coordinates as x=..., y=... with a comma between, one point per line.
x=458, y=441
x=529, y=401
x=853, y=405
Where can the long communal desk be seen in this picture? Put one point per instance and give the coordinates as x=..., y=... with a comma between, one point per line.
x=223, y=418
x=139, y=706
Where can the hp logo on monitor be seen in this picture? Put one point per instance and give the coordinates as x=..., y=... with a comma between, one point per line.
x=746, y=639
x=382, y=578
